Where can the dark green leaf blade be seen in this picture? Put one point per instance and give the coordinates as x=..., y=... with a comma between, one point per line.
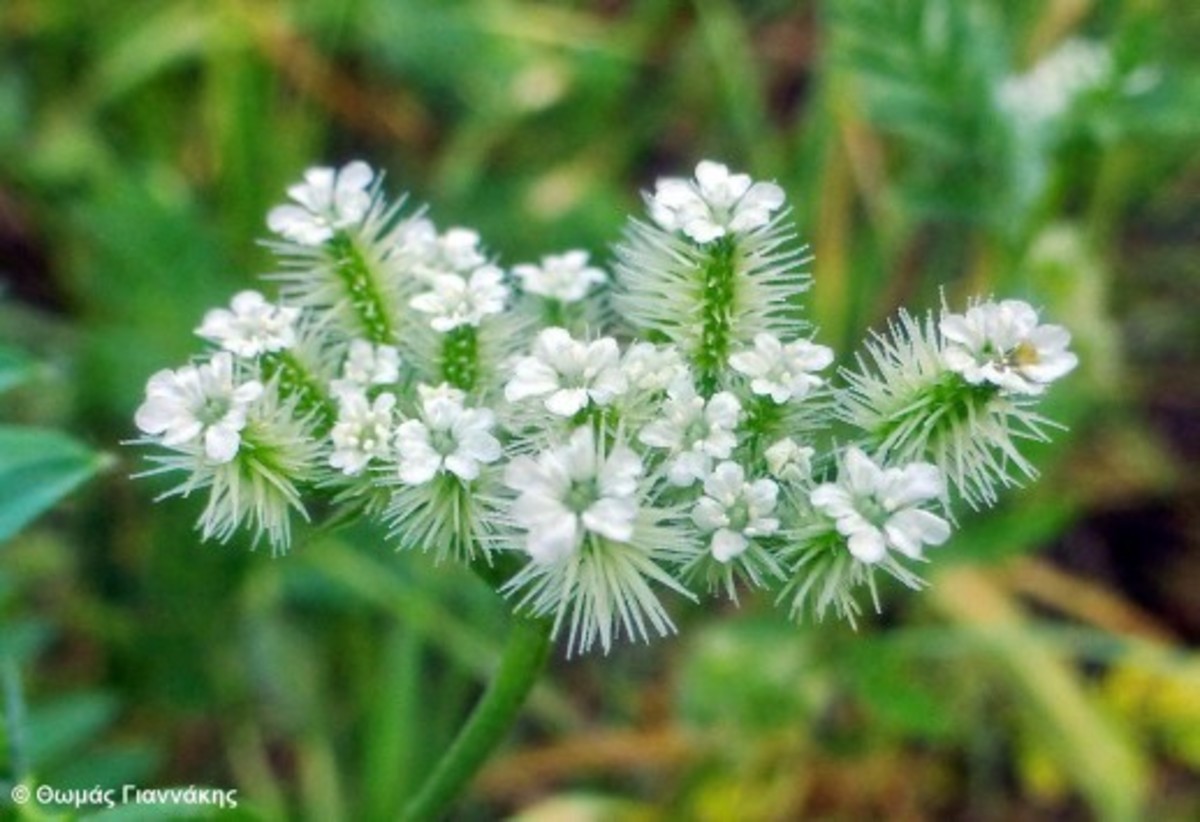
x=38, y=468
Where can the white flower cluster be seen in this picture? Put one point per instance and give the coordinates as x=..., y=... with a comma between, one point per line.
x=599, y=441
x=1053, y=85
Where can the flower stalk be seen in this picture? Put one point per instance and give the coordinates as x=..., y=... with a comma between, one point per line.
x=524, y=657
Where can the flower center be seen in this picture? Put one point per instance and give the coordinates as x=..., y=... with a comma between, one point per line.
x=581, y=495
x=442, y=441
x=739, y=515
x=213, y=410
x=696, y=430
x=872, y=510
x=1024, y=354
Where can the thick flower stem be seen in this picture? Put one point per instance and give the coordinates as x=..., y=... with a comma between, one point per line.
x=524, y=657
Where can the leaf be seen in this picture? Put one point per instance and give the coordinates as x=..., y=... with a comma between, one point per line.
x=38, y=468
x=15, y=368
x=57, y=729
x=1097, y=753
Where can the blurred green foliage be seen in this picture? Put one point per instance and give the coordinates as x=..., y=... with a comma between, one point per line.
x=144, y=141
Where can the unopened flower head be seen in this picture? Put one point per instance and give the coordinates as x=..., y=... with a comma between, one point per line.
x=202, y=405
x=1003, y=344
x=563, y=277
x=782, y=371
x=878, y=508
x=251, y=326
x=568, y=373
x=328, y=200
x=714, y=203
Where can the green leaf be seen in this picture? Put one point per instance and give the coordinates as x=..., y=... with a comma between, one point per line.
x=15, y=368
x=57, y=729
x=38, y=468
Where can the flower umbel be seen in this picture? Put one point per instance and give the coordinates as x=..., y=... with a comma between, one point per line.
x=563, y=277
x=568, y=373
x=199, y=405
x=735, y=511
x=327, y=201
x=782, y=371
x=455, y=300
x=714, y=203
x=1003, y=344
x=599, y=449
x=879, y=508
x=251, y=326
x=448, y=437
x=568, y=491
x=363, y=431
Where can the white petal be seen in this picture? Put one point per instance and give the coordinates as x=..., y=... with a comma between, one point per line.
x=727, y=544
x=462, y=466
x=709, y=515
x=419, y=465
x=723, y=410
x=553, y=540
x=531, y=378
x=862, y=476
x=221, y=443
x=620, y=472
x=566, y=402
x=867, y=545
x=612, y=518
x=909, y=529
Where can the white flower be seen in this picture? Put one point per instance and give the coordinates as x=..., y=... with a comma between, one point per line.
x=788, y=461
x=650, y=367
x=569, y=371
x=696, y=431
x=563, y=277
x=367, y=364
x=449, y=438
x=1050, y=88
x=363, y=431
x=199, y=403
x=878, y=508
x=1002, y=343
x=455, y=251
x=782, y=371
x=454, y=300
x=250, y=326
x=328, y=200
x=714, y=204
x=734, y=510
x=571, y=490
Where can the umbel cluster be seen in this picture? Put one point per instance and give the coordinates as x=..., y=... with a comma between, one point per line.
x=666, y=427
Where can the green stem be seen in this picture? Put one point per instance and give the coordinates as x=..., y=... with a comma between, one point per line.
x=524, y=657
x=14, y=715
